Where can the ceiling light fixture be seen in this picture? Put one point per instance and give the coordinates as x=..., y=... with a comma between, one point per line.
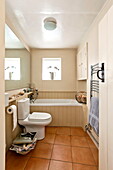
x=50, y=24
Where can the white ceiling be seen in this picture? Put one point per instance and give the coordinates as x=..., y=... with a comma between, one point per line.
x=74, y=17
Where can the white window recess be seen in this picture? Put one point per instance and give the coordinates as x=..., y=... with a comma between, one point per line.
x=12, y=68
x=51, y=69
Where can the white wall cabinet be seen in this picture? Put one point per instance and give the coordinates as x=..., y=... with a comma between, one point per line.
x=106, y=92
x=82, y=63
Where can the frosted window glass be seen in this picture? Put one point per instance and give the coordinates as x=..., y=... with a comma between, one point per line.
x=12, y=68
x=51, y=69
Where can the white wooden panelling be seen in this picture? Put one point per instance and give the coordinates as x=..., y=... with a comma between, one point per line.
x=62, y=115
x=56, y=94
x=106, y=91
x=103, y=95
x=110, y=88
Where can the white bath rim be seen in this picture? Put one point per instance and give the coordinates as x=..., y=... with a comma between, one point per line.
x=55, y=102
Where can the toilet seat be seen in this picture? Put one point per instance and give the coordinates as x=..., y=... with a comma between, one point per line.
x=40, y=117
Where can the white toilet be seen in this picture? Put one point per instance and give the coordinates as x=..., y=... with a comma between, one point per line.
x=34, y=122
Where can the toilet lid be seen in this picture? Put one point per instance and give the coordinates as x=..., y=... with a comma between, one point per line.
x=40, y=117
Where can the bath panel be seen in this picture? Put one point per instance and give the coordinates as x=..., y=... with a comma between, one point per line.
x=62, y=115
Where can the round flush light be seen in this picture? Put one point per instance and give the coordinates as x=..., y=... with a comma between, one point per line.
x=50, y=24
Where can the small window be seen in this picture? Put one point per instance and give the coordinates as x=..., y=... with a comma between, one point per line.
x=51, y=69
x=12, y=68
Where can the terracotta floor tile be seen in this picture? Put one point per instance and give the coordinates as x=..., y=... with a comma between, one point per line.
x=88, y=137
x=16, y=161
x=14, y=154
x=77, y=131
x=79, y=141
x=62, y=153
x=95, y=155
x=43, y=150
x=51, y=130
x=83, y=167
x=49, y=138
x=86, y=134
x=58, y=165
x=83, y=156
x=37, y=164
x=64, y=130
x=90, y=142
x=63, y=139
x=83, y=152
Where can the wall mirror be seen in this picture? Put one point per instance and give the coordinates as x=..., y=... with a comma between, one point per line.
x=17, y=62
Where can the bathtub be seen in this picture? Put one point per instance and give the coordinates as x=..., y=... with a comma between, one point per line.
x=55, y=102
x=65, y=112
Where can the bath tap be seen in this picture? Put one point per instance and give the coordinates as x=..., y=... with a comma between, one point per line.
x=32, y=100
x=33, y=96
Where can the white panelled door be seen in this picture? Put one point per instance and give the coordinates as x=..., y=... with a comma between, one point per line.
x=110, y=89
x=106, y=92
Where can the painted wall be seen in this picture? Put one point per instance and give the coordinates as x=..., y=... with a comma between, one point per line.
x=81, y=85
x=2, y=103
x=68, y=64
x=24, y=56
